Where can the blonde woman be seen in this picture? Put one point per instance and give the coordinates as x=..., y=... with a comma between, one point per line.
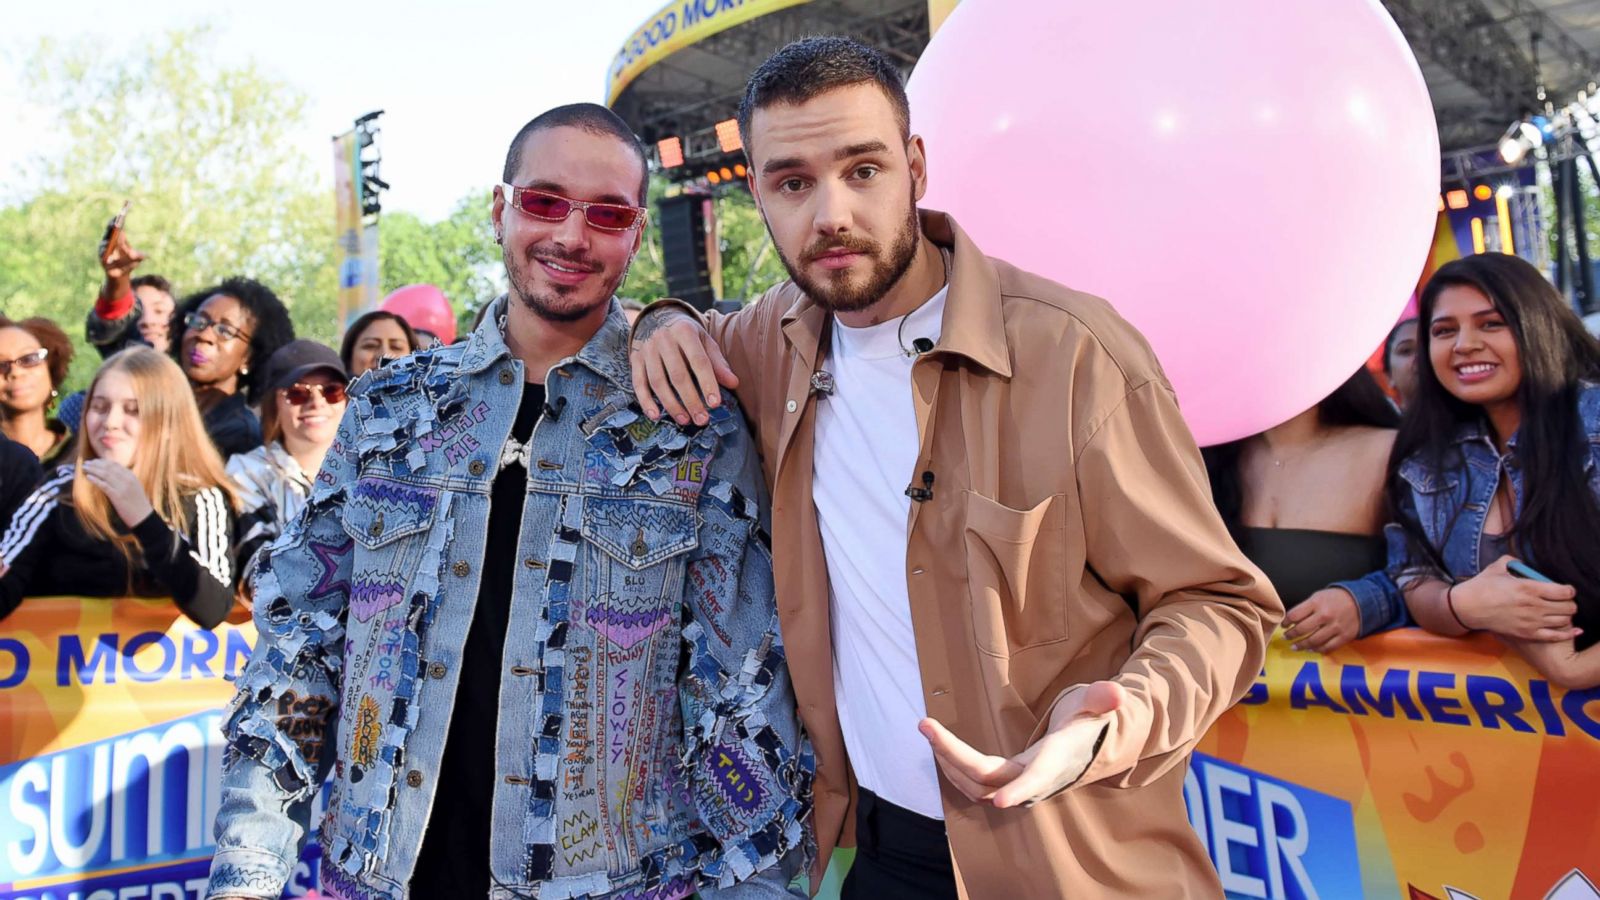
x=146, y=511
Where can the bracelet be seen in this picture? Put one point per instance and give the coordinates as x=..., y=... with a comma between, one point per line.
x=1450, y=602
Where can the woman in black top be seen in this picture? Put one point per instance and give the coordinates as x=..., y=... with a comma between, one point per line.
x=20, y=473
x=1305, y=502
x=146, y=510
x=226, y=334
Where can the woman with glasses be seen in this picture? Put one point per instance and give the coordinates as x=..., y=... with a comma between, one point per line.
x=34, y=357
x=299, y=418
x=147, y=510
x=228, y=333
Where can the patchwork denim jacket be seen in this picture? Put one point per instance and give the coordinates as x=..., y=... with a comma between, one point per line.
x=1452, y=504
x=648, y=743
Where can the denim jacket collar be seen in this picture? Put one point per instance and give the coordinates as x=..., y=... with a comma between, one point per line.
x=605, y=353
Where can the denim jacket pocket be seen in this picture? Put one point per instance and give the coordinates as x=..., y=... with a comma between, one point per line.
x=1016, y=573
x=639, y=533
x=1425, y=479
x=388, y=520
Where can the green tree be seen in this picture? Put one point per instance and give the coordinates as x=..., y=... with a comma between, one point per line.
x=201, y=147
x=750, y=264
x=458, y=255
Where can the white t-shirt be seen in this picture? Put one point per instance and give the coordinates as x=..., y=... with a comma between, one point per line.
x=865, y=453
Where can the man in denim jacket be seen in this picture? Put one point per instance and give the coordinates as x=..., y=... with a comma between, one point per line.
x=532, y=634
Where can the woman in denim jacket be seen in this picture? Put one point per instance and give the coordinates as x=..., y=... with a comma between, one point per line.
x=1496, y=461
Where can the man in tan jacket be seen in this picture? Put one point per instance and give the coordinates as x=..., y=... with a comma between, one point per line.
x=1010, y=606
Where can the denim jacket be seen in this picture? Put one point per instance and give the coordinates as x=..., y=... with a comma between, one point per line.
x=648, y=743
x=1452, y=504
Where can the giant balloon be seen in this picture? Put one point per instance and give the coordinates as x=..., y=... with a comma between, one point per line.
x=1252, y=183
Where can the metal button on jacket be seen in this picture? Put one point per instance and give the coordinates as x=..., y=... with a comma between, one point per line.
x=475, y=467
x=414, y=778
x=461, y=568
x=506, y=376
x=436, y=670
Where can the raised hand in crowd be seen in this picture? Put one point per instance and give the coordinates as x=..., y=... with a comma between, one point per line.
x=118, y=259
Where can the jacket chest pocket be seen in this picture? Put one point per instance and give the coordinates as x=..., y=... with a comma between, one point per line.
x=636, y=553
x=1439, y=500
x=1016, y=573
x=390, y=522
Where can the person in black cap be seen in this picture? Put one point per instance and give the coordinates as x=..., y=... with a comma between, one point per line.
x=305, y=400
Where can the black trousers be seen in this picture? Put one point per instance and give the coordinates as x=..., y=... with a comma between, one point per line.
x=899, y=854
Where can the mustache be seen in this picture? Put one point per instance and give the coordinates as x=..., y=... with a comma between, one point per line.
x=565, y=257
x=846, y=243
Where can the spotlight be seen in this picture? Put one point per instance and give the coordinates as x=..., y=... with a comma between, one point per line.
x=739, y=170
x=1456, y=199
x=728, y=136
x=726, y=173
x=671, y=152
x=1482, y=192
x=1519, y=139
x=713, y=177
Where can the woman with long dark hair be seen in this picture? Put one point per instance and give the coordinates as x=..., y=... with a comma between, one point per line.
x=1304, y=500
x=1498, y=460
x=373, y=338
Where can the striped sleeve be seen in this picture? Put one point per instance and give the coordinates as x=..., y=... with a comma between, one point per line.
x=21, y=548
x=196, y=568
x=213, y=533
x=31, y=515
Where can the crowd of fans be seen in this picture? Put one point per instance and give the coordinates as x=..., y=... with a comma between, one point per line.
x=1465, y=497
x=194, y=444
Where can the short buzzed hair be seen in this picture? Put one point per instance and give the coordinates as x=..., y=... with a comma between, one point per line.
x=591, y=117
x=815, y=65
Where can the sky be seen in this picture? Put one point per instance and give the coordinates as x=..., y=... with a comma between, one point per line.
x=455, y=80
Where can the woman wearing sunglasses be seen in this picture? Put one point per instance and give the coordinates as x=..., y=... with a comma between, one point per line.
x=147, y=511
x=299, y=418
x=34, y=357
x=228, y=332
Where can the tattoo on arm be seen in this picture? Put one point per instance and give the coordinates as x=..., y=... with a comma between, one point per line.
x=654, y=321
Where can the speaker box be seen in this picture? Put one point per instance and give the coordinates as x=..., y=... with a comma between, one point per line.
x=685, y=248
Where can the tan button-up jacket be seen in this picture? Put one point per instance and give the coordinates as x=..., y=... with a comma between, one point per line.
x=1070, y=538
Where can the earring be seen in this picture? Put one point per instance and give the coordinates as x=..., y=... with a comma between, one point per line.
x=244, y=370
x=54, y=396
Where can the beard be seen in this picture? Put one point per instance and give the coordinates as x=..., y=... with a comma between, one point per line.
x=557, y=302
x=838, y=292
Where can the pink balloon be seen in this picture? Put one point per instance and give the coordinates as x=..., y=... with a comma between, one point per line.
x=1251, y=183
x=425, y=308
